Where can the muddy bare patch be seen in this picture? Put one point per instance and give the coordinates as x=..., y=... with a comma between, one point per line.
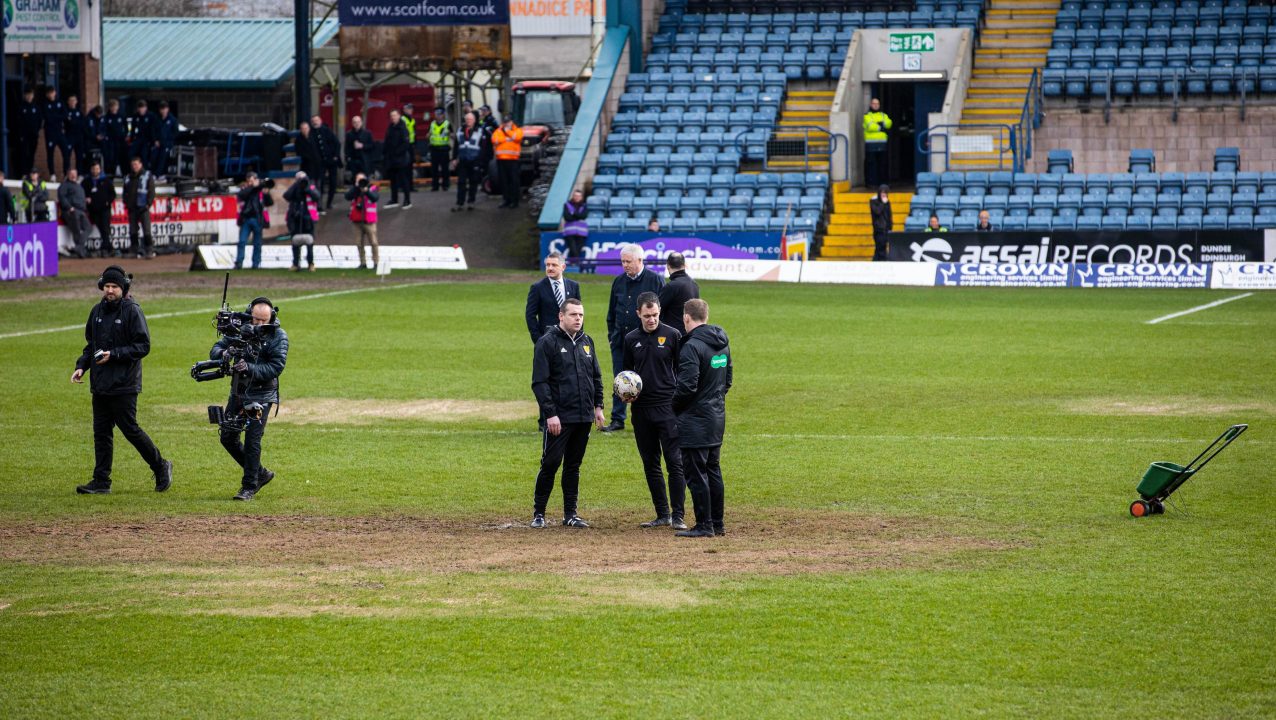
x=1170, y=406
x=781, y=543
x=362, y=412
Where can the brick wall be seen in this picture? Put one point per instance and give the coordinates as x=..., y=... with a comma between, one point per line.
x=243, y=109
x=1186, y=146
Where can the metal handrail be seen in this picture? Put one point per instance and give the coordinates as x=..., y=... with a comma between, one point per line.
x=1029, y=119
x=924, y=146
x=835, y=139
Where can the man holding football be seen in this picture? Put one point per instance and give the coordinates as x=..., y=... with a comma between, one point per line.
x=652, y=351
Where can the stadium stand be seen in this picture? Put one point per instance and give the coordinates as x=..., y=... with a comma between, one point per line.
x=1226, y=198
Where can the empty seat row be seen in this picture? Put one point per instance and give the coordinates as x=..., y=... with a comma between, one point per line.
x=1035, y=223
x=742, y=82
x=1151, y=82
x=1163, y=37
x=1225, y=203
x=675, y=163
x=1195, y=56
x=748, y=184
x=724, y=224
x=841, y=14
x=1007, y=183
x=812, y=67
x=678, y=102
x=770, y=205
x=714, y=120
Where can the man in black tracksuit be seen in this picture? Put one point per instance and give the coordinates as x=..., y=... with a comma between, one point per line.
x=568, y=385
x=704, y=377
x=254, y=387
x=675, y=294
x=622, y=316
x=116, y=340
x=652, y=352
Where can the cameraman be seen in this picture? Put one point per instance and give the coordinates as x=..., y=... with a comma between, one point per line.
x=254, y=387
x=253, y=198
x=116, y=340
x=303, y=212
x=363, y=199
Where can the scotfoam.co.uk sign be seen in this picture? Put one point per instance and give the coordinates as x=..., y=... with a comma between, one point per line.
x=424, y=12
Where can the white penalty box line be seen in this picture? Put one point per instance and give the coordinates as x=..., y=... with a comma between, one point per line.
x=183, y=313
x=1198, y=308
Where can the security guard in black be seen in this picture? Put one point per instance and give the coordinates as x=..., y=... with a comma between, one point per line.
x=652, y=352
x=568, y=385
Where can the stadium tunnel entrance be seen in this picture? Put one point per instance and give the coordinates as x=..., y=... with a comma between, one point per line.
x=909, y=105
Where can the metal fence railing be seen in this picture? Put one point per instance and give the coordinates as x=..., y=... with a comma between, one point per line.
x=802, y=147
x=997, y=146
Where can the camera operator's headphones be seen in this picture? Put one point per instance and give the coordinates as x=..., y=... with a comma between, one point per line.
x=274, y=311
x=119, y=277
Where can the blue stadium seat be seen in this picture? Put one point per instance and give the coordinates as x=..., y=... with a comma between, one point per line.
x=1227, y=159
x=1059, y=161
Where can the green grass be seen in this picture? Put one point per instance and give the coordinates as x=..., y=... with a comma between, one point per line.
x=994, y=415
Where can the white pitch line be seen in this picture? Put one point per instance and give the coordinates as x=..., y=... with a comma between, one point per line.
x=182, y=313
x=1198, y=308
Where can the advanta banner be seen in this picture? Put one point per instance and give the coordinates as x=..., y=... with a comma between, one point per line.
x=29, y=251
x=279, y=257
x=424, y=12
x=602, y=250
x=1127, y=247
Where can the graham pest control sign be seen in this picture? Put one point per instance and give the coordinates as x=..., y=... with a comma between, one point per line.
x=912, y=42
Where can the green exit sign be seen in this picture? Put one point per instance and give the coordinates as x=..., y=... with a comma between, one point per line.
x=912, y=42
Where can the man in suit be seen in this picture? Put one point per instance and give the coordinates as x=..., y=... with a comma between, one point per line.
x=546, y=297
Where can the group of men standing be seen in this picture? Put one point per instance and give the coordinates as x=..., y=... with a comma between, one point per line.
x=661, y=332
x=101, y=134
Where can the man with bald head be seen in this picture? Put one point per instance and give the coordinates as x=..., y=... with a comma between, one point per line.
x=622, y=315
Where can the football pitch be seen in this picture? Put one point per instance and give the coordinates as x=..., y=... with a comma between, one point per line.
x=926, y=507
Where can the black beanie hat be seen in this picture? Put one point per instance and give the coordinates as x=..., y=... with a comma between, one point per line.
x=116, y=275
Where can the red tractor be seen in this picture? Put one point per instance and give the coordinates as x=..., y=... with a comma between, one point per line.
x=545, y=110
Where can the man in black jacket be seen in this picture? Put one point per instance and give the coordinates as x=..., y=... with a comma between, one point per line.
x=652, y=352
x=546, y=296
x=880, y=209
x=55, y=130
x=622, y=316
x=397, y=154
x=358, y=145
x=99, y=190
x=254, y=387
x=677, y=291
x=116, y=340
x=30, y=120
x=139, y=193
x=253, y=200
x=568, y=385
x=704, y=377
x=115, y=149
x=8, y=209
x=329, y=156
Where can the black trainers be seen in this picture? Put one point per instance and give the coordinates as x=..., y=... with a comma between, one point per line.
x=719, y=530
x=93, y=488
x=575, y=521
x=678, y=524
x=164, y=478
x=245, y=493
x=538, y=521
x=661, y=521
x=615, y=426
x=696, y=532
x=264, y=477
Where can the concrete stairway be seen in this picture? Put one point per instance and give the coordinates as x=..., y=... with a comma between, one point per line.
x=1013, y=43
x=850, y=228
x=803, y=108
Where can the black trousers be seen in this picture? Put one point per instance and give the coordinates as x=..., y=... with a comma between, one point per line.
x=567, y=448
x=439, y=171
x=101, y=219
x=704, y=480
x=879, y=245
x=469, y=175
x=140, y=219
x=329, y=178
x=575, y=247
x=656, y=430
x=110, y=412
x=27, y=148
x=618, y=407
x=508, y=173
x=874, y=164
x=63, y=144
x=401, y=182
x=247, y=453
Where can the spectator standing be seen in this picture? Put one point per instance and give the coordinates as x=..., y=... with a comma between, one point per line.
x=164, y=140
x=99, y=192
x=139, y=193
x=575, y=225
x=487, y=120
x=115, y=151
x=358, y=143
x=94, y=137
x=73, y=129
x=363, y=197
x=677, y=291
x=329, y=156
x=546, y=296
x=507, y=143
x=876, y=123
x=74, y=207
x=141, y=134
x=8, y=209
x=303, y=211
x=36, y=196
x=880, y=208
x=308, y=152
x=397, y=153
x=30, y=120
x=471, y=149
x=440, y=146
x=622, y=316
x=55, y=129
x=253, y=201
x=985, y=222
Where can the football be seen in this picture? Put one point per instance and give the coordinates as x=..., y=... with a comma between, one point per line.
x=627, y=385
